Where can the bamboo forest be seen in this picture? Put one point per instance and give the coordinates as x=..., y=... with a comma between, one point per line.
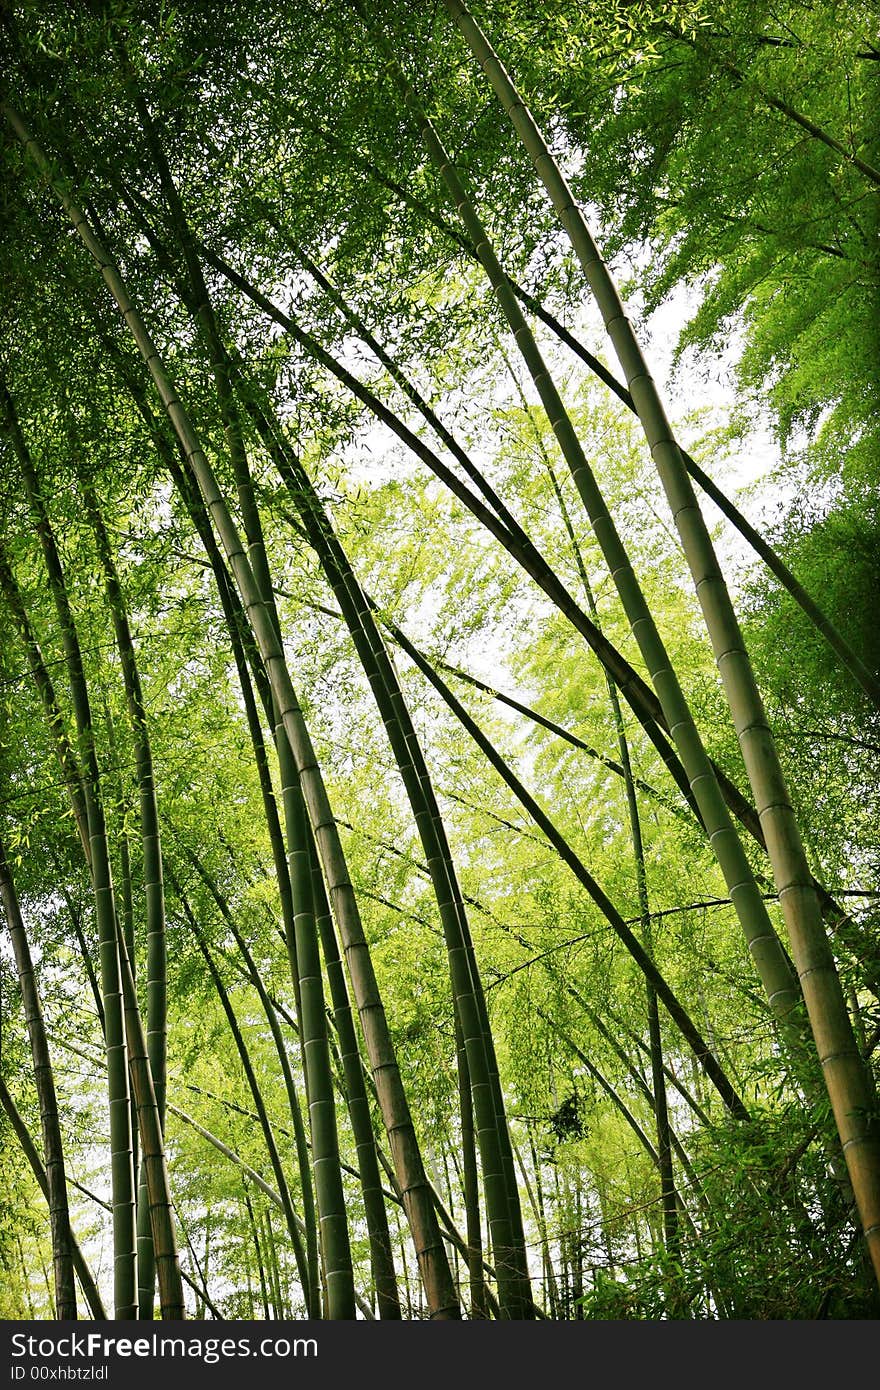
x=439, y=695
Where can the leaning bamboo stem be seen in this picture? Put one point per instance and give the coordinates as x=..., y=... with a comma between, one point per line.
x=432, y=1257
x=850, y=659
x=849, y=1084
x=56, y=1188
x=105, y=909
x=29, y=1148
x=762, y=941
x=233, y=1157
x=700, y=1048
x=154, y=894
x=504, y=1218
x=381, y=1253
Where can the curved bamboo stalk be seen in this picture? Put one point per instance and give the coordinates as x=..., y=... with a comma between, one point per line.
x=377, y=1225
x=315, y=1047
x=84, y=1274
x=306, y=1262
x=781, y=988
x=850, y=1087
x=56, y=1187
x=689, y=1031
x=381, y=1253
x=637, y=693
x=105, y=909
x=154, y=894
x=850, y=659
x=505, y=1220
x=433, y=1262
x=866, y=678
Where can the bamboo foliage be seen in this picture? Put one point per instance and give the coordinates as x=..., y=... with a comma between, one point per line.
x=848, y=1085
x=429, y=1245
x=55, y=1185
x=408, y=876
x=105, y=912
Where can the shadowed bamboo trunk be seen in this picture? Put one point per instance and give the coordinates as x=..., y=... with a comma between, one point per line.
x=154, y=895
x=308, y=1270
x=433, y=1262
x=55, y=1186
x=29, y=1148
x=337, y=1258
x=504, y=1217
x=356, y=1100
x=381, y=1252
x=764, y=945
x=700, y=1048
x=163, y=1241
x=105, y=908
x=315, y=1045
x=850, y=1086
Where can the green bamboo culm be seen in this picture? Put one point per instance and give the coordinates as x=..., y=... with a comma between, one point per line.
x=53, y=1150
x=163, y=1241
x=770, y=960
x=333, y=1223
x=154, y=893
x=29, y=1148
x=335, y=1247
x=42, y=680
x=431, y=1254
x=122, y=1178
x=307, y=1262
x=246, y=656
x=505, y=1220
x=850, y=1087
x=357, y=1101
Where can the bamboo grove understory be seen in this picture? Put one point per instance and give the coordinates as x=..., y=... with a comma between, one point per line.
x=438, y=829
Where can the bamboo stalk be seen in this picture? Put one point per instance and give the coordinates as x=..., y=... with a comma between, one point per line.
x=105, y=908
x=850, y=1087
x=84, y=1274
x=56, y=1188
x=432, y=1257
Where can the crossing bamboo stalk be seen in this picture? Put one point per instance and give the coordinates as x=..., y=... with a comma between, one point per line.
x=53, y=1149
x=433, y=1263
x=850, y=1087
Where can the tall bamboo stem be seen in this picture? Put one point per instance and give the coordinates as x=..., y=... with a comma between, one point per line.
x=850, y=1086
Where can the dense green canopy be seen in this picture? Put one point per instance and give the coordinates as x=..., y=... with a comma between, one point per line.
x=404, y=906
